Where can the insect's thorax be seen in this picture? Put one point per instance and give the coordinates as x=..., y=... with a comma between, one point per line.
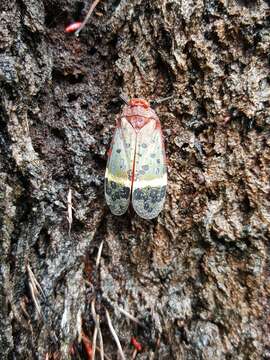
x=139, y=116
x=138, y=122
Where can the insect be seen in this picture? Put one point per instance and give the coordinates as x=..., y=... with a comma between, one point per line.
x=136, y=168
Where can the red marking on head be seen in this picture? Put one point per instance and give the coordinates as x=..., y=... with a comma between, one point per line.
x=73, y=27
x=138, y=122
x=139, y=102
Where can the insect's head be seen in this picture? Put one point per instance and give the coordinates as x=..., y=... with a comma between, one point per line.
x=139, y=102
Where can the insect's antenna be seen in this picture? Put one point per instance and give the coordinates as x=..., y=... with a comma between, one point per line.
x=92, y=8
x=124, y=98
x=159, y=101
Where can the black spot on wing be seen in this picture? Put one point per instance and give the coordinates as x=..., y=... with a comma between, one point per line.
x=112, y=184
x=148, y=201
x=162, y=193
x=154, y=195
x=117, y=197
x=138, y=195
x=124, y=192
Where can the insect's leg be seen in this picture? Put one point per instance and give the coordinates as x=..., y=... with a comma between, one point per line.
x=159, y=101
x=124, y=98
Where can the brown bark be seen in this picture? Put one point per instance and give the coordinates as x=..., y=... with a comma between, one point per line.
x=197, y=277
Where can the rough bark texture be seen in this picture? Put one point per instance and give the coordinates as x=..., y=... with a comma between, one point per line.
x=198, y=276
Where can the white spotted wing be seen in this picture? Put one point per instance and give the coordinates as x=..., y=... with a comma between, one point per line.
x=150, y=173
x=118, y=176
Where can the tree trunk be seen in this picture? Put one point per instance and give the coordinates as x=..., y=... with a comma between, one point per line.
x=197, y=277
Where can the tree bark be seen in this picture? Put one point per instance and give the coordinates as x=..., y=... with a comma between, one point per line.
x=197, y=277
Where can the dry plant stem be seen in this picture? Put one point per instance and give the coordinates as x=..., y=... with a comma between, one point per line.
x=106, y=357
x=92, y=8
x=94, y=343
x=95, y=331
x=95, y=316
x=100, y=339
x=23, y=307
x=134, y=354
x=131, y=317
x=114, y=335
x=34, y=298
x=69, y=210
x=35, y=289
x=99, y=254
x=34, y=281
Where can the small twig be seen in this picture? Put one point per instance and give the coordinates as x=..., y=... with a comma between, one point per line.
x=92, y=8
x=131, y=317
x=23, y=307
x=98, y=330
x=100, y=339
x=34, y=281
x=105, y=356
x=117, y=341
x=35, y=289
x=99, y=253
x=94, y=342
x=69, y=211
x=79, y=326
x=34, y=298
